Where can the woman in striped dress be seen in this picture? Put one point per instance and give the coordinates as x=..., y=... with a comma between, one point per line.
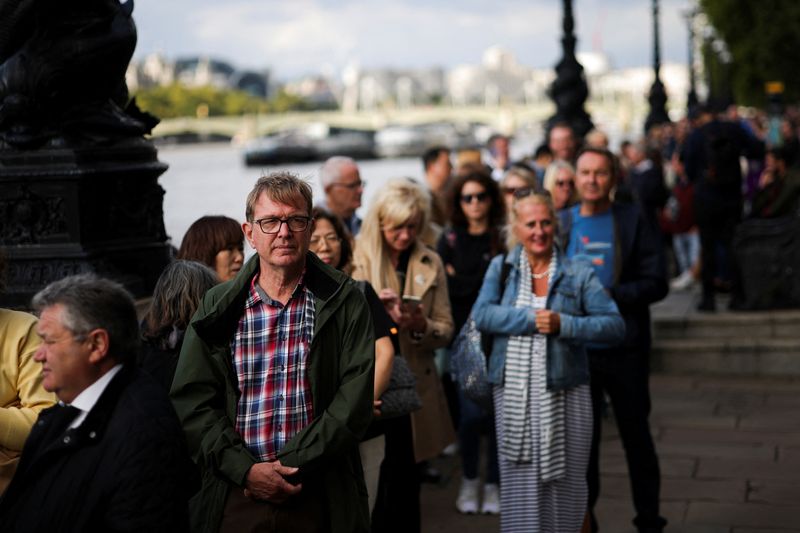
x=546, y=311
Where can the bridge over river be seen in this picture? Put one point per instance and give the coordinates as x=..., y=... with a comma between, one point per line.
x=623, y=118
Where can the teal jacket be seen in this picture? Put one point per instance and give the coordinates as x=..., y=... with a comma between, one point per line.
x=341, y=360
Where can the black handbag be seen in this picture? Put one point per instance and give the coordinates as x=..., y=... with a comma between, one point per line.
x=401, y=397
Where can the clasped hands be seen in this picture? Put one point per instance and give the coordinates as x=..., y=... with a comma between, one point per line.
x=548, y=322
x=267, y=481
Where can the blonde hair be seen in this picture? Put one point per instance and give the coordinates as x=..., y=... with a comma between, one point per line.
x=525, y=175
x=551, y=176
x=536, y=198
x=397, y=202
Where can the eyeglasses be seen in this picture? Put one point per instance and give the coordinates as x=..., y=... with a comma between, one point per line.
x=273, y=225
x=330, y=240
x=481, y=197
x=565, y=183
x=352, y=186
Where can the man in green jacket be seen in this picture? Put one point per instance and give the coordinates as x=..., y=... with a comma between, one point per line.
x=274, y=382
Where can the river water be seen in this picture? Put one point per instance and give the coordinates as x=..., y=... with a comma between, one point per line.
x=211, y=179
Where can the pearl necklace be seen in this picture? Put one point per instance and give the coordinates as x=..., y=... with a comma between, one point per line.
x=544, y=274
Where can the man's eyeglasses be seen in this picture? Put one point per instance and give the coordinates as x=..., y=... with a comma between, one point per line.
x=273, y=225
x=352, y=186
x=468, y=198
x=330, y=240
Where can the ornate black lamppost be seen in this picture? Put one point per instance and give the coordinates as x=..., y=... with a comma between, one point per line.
x=658, y=96
x=691, y=98
x=569, y=90
x=79, y=185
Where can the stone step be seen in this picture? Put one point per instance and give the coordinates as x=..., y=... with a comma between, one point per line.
x=751, y=355
x=764, y=325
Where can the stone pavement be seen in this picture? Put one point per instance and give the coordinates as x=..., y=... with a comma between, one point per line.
x=729, y=449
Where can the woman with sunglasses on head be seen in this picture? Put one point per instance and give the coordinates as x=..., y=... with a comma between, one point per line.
x=411, y=283
x=559, y=181
x=466, y=248
x=548, y=309
x=330, y=240
x=517, y=178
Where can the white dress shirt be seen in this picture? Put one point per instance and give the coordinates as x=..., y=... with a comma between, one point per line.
x=86, y=399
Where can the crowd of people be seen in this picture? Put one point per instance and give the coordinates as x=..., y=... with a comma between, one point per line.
x=299, y=390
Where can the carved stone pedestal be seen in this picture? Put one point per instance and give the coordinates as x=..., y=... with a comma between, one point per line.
x=66, y=210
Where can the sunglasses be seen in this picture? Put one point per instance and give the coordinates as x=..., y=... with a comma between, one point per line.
x=524, y=192
x=510, y=191
x=481, y=197
x=565, y=183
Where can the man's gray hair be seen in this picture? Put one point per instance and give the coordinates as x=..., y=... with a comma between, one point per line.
x=331, y=169
x=90, y=303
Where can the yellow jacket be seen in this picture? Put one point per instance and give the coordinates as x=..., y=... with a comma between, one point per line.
x=21, y=392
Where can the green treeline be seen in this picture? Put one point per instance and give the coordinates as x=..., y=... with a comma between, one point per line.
x=172, y=101
x=763, y=37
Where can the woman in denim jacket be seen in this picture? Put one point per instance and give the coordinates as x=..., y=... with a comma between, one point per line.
x=542, y=317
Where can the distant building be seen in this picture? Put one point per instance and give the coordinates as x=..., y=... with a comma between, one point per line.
x=319, y=91
x=619, y=86
x=155, y=71
x=378, y=88
x=203, y=72
x=499, y=79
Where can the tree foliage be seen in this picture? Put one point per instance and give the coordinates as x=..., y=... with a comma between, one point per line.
x=763, y=37
x=171, y=101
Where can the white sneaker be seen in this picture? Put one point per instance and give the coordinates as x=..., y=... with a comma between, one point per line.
x=491, y=499
x=682, y=282
x=467, y=502
x=451, y=450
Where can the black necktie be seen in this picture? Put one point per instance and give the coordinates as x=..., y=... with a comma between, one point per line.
x=59, y=421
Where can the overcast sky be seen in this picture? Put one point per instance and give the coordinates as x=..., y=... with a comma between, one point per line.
x=297, y=37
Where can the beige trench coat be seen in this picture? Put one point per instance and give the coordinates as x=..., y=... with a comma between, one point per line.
x=425, y=278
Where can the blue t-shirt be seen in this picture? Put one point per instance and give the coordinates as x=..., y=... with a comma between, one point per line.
x=593, y=237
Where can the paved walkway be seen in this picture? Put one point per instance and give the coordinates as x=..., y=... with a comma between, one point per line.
x=729, y=451
x=730, y=461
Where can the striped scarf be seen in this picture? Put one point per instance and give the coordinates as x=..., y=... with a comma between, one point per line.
x=527, y=354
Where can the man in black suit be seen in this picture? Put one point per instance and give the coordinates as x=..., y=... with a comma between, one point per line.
x=110, y=456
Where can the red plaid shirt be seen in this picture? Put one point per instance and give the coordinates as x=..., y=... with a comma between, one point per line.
x=270, y=356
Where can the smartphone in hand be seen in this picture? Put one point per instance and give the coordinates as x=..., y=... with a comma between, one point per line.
x=411, y=302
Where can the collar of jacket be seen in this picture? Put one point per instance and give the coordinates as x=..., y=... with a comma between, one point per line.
x=96, y=421
x=229, y=298
x=421, y=273
x=563, y=266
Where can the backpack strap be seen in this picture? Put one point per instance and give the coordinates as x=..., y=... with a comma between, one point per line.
x=504, y=271
x=487, y=338
x=564, y=227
